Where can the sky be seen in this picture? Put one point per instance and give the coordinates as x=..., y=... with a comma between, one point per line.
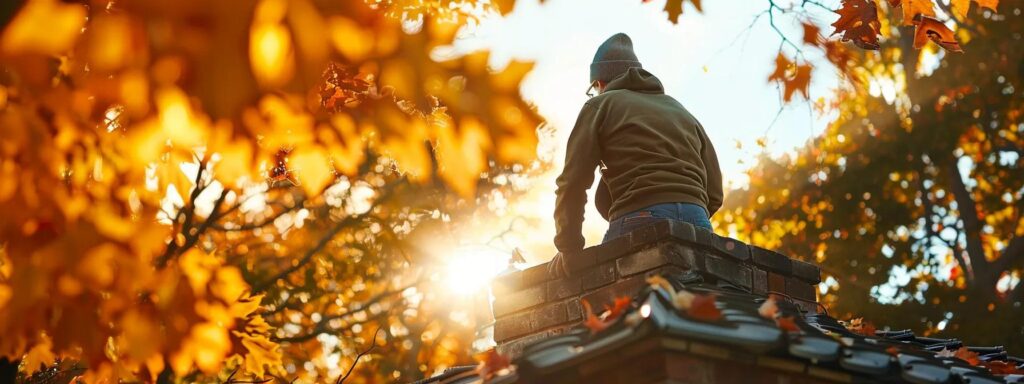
x=716, y=63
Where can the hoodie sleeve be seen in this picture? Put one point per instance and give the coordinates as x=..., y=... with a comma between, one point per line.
x=713, y=172
x=582, y=155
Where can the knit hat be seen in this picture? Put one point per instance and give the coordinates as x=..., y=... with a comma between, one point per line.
x=613, y=58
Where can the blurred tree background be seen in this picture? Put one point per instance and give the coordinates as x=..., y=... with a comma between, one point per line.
x=911, y=201
x=202, y=191
x=211, y=191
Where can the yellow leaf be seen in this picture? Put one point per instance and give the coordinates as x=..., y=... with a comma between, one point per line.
x=97, y=265
x=45, y=27
x=960, y=7
x=197, y=267
x=209, y=344
x=912, y=8
x=40, y=356
x=313, y=169
x=244, y=307
x=990, y=4
x=110, y=41
x=235, y=162
x=178, y=121
x=462, y=158
x=228, y=284
x=270, y=45
x=350, y=39
x=347, y=156
x=261, y=354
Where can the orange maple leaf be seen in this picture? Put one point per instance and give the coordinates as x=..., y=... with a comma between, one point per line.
x=492, y=364
x=619, y=307
x=861, y=327
x=703, y=308
x=675, y=8
x=812, y=34
x=793, y=77
x=929, y=28
x=598, y=323
x=1002, y=368
x=858, y=22
x=787, y=324
x=592, y=321
x=963, y=354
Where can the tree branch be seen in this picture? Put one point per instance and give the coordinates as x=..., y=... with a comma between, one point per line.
x=972, y=224
x=387, y=190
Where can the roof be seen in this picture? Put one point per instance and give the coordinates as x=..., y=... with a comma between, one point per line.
x=654, y=342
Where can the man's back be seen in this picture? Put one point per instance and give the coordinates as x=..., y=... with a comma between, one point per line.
x=655, y=150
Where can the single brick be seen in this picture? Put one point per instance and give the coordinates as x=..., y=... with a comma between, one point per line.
x=515, y=301
x=511, y=326
x=513, y=348
x=612, y=249
x=587, y=258
x=732, y=247
x=646, y=260
x=772, y=261
x=649, y=234
x=509, y=282
x=573, y=309
x=729, y=271
x=598, y=276
x=687, y=256
x=564, y=287
x=547, y=316
x=606, y=295
x=760, y=280
x=535, y=275
x=800, y=289
x=806, y=271
x=776, y=282
x=684, y=231
x=705, y=237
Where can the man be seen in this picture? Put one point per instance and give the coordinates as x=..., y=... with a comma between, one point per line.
x=658, y=162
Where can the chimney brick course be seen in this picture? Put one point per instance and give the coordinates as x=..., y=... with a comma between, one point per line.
x=531, y=305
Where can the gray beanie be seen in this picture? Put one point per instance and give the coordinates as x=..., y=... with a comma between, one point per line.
x=613, y=58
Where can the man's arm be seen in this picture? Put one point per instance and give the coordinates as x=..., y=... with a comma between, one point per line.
x=714, y=174
x=582, y=155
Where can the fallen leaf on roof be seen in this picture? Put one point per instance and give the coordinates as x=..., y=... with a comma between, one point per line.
x=861, y=327
x=769, y=308
x=661, y=282
x=703, y=308
x=1002, y=368
x=963, y=354
x=598, y=323
x=620, y=306
x=787, y=324
x=492, y=364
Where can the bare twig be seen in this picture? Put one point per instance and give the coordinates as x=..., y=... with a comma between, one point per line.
x=373, y=343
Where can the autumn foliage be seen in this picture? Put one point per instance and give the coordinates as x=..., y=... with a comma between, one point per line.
x=198, y=188
x=241, y=189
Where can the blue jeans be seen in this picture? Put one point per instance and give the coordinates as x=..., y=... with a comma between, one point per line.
x=690, y=213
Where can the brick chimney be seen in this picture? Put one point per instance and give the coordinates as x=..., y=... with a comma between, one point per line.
x=529, y=305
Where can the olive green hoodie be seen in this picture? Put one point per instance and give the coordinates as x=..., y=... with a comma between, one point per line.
x=654, y=149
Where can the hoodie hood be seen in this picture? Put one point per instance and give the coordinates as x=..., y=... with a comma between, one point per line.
x=636, y=79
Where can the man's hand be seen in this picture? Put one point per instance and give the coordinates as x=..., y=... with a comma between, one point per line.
x=557, y=267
